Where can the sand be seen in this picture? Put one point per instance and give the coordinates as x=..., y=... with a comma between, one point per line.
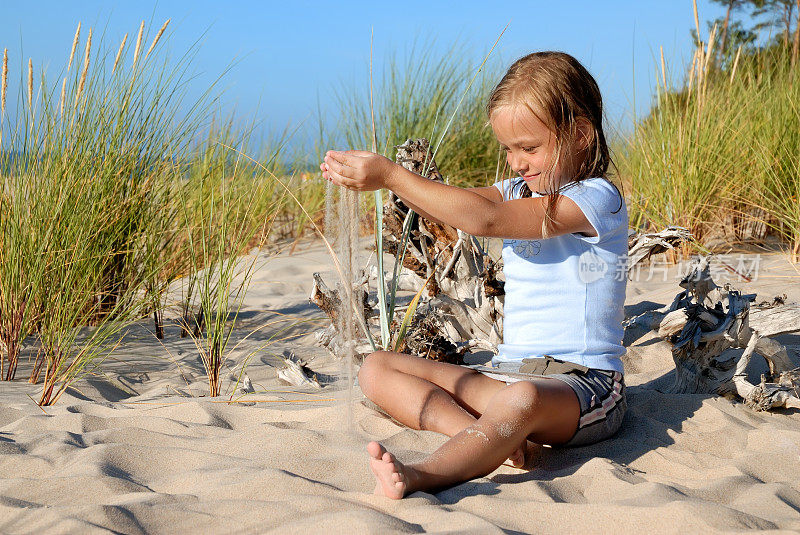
x=141, y=449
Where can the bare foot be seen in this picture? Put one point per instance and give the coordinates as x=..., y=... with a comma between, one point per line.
x=390, y=474
x=517, y=459
x=526, y=456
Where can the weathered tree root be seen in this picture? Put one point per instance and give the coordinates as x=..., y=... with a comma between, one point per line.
x=424, y=338
x=330, y=302
x=642, y=246
x=704, y=320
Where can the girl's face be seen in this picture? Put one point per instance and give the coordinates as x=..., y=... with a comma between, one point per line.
x=530, y=147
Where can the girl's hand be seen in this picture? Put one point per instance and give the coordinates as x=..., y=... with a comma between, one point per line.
x=358, y=170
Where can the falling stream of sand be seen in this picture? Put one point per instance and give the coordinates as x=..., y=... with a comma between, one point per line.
x=341, y=225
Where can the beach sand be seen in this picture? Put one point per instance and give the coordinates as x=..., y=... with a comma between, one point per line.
x=142, y=449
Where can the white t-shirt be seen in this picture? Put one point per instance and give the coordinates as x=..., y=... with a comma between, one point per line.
x=565, y=295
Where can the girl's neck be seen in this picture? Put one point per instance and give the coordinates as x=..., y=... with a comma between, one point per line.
x=548, y=192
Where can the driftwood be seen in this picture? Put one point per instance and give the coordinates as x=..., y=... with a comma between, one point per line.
x=461, y=303
x=245, y=385
x=296, y=372
x=424, y=338
x=466, y=297
x=407, y=280
x=704, y=320
x=330, y=302
x=642, y=246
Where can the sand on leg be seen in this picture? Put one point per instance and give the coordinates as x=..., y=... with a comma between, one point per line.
x=546, y=410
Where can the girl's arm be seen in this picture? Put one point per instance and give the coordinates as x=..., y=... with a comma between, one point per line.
x=472, y=212
x=491, y=193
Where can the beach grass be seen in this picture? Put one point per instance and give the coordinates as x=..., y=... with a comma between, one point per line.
x=718, y=151
x=424, y=94
x=96, y=167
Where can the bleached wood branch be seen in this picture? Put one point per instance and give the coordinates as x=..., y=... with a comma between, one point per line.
x=296, y=373
x=643, y=246
x=704, y=320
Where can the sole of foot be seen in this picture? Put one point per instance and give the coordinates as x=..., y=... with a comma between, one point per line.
x=389, y=473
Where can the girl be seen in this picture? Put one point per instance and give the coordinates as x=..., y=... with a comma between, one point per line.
x=564, y=227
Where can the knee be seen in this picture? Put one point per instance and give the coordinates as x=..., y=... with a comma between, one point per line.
x=371, y=369
x=522, y=397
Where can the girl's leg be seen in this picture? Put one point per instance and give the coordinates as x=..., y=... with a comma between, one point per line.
x=545, y=410
x=424, y=394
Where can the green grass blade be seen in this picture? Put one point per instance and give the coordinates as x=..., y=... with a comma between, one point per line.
x=385, y=318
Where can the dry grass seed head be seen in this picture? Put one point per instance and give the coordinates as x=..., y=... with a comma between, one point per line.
x=158, y=36
x=85, y=70
x=74, y=45
x=119, y=53
x=30, y=84
x=138, y=44
x=63, y=96
x=5, y=81
x=693, y=70
x=736, y=61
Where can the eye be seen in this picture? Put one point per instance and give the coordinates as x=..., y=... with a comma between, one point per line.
x=529, y=149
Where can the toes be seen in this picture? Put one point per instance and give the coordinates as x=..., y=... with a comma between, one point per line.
x=517, y=458
x=375, y=450
x=388, y=457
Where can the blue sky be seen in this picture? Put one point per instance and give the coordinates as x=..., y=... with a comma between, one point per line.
x=289, y=54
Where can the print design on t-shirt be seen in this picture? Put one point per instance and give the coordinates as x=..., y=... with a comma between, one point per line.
x=526, y=248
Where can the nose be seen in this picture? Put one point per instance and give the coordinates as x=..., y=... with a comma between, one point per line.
x=517, y=163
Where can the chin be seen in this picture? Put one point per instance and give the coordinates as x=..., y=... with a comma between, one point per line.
x=533, y=183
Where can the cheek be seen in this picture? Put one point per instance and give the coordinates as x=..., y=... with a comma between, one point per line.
x=534, y=160
x=544, y=160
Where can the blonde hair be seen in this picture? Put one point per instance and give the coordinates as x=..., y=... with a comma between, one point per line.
x=558, y=91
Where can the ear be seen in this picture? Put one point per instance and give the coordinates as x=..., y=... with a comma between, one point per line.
x=585, y=132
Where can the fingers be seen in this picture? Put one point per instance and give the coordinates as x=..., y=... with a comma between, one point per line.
x=340, y=180
x=350, y=158
x=339, y=167
x=324, y=169
x=329, y=170
x=354, y=169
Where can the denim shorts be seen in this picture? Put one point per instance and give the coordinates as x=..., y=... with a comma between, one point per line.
x=601, y=395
